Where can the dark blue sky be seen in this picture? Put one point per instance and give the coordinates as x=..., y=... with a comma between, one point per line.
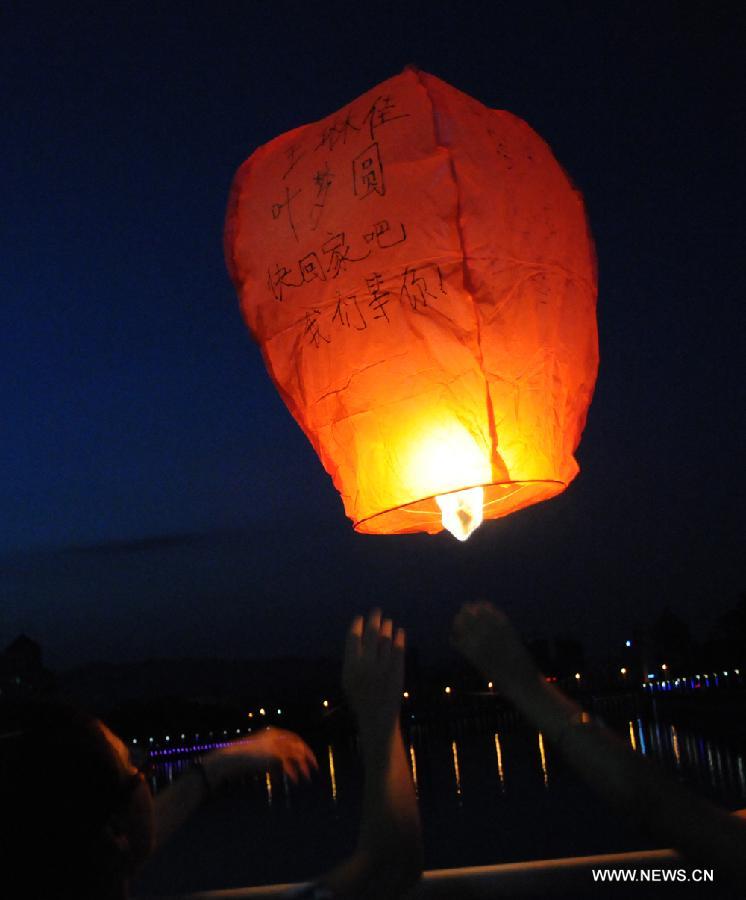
x=155, y=496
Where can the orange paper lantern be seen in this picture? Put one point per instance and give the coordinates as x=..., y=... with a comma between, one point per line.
x=418, y=272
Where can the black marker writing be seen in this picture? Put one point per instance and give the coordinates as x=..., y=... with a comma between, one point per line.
x=379, y=230
x=277, y=209
x=338, y=252
x=419, y=283
x=374, y=283
x=347, y=312
x=278, y=279
x=312, y=328
x=381, y=113
x=294, y=155
x=337, y=132
x=367, y=173
x=322, y=181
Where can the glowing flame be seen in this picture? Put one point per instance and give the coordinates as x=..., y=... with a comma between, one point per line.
x=462, y=512
x=441, y=458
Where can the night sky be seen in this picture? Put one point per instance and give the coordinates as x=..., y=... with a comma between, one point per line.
x=157, y=499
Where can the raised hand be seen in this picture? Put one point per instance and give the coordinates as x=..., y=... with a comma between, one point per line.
x=373, y=673
x=486, y=638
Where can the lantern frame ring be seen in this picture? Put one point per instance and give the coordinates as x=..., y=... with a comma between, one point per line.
x=426, y=507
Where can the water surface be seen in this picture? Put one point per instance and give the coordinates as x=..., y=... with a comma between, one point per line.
x=486, y=795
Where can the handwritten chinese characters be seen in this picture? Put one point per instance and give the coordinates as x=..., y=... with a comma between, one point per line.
x=374, y=299
x=332, y=259
x=382, y=111
x=277, y=209
x=325, y=207
x=367, y=173
x=312, y=171
x=323, y=180
x=336, y=132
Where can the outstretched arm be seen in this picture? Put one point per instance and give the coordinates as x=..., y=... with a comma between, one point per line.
x=178, y=801
x=679, y=818
x=388, y=857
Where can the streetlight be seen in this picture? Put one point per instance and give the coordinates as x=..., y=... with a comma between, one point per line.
x=623, y=671
x=448, y=689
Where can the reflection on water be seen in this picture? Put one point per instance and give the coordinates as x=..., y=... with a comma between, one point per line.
x=632, y=740
x=286, y=789
x=456, y=771
x=641, y=735
x=499, y=752
x=712, y=764
x=332, y=776
x=413, y=769
x=675, y=744
x=543, y=757
x=485, y=796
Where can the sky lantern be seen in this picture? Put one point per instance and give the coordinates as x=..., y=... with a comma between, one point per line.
x=419, y=274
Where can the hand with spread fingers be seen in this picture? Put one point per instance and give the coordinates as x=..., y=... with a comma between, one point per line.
x=486, y=638
x=262, y=749
x=388, y=858
x=373, y=674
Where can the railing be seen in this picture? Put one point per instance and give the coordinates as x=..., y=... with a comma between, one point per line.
x=569, y=876
x=539, y=878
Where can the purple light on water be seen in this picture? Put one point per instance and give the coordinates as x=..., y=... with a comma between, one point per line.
x=193, y=748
